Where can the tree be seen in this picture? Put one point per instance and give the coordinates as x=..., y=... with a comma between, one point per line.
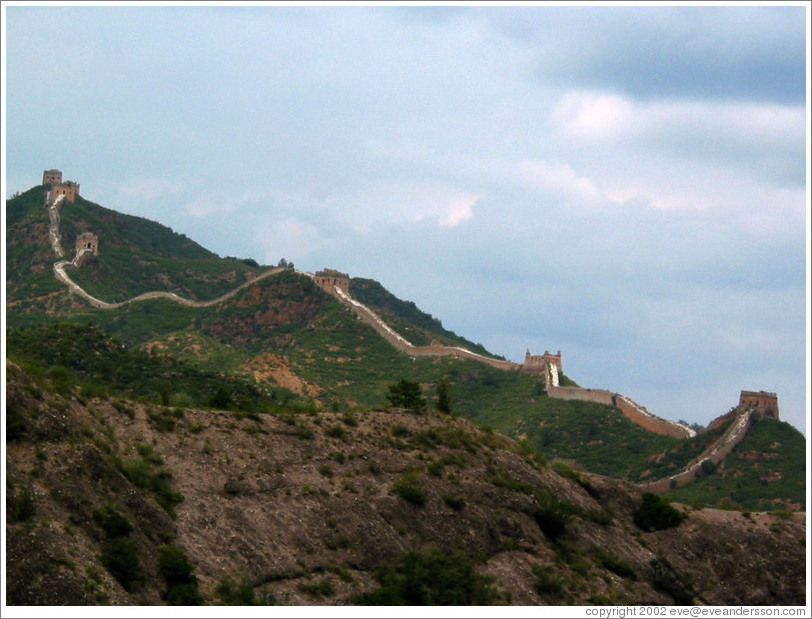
x=443, y=396
x=406, y=394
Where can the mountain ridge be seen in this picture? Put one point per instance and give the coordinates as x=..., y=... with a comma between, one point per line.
x=423, y=325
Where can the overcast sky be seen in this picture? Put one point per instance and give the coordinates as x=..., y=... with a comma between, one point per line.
x=625, y=184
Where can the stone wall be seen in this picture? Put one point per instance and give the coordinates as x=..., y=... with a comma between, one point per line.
x=630, y=409
x=715, y=454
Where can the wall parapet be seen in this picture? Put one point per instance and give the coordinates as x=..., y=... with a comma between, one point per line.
x=630, y=409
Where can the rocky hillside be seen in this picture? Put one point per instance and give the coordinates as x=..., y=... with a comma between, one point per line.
x=115, y=502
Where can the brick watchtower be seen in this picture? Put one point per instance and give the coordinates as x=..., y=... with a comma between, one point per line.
x=58, y=187
x=763, y=403
x=330, y=278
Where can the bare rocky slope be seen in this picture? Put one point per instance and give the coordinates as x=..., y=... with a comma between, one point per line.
x=302, y=508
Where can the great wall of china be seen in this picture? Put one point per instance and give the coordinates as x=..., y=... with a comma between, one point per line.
x=335, y=283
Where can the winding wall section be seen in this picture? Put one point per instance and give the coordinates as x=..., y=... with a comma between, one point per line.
x=628, y=407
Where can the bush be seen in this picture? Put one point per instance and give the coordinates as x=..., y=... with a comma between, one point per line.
x=406, y=394
x=656, y=513
x=665, y=580
x=121, y=560
x=318, y=588
x=545, y=581
x=178, y=572
x=409, y=489
x=429, y=578
x=236, y=593
x=613, y=564
x=552, y=517
x=112, y=522
x=23, y=507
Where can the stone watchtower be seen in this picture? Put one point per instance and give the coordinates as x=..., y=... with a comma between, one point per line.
x=58, y=187
x=763, y=403
x=328, y=279
x=548, y=365
x=88, y=240
x=51, y=177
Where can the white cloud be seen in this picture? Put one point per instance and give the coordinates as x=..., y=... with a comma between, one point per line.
x=289, y=238
x=560, y=179
x=592, y=117
x=150, y=188
x=459, y=210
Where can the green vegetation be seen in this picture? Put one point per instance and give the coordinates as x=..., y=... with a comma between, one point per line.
x=666, y=580
x=430, y=578
x=766, y=471
x=409, y=488
x=656, y=513
x=178, y=572
x=406, y=394
x=404, y=317
x=226, y=356
x=145, y=471
x=120, y=557
x=443, y=396
x=234, y=591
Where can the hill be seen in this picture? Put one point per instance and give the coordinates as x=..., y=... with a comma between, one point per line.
x=114, y=501
x=283, y=340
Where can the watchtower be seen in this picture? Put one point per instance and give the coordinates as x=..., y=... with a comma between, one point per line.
x=51, y=177
x=57, y=187
x=328, y=279
x=763, y=403
x=88, y=240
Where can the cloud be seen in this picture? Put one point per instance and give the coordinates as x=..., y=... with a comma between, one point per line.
x=150, y=188
x=559, y=179
x=593, y=117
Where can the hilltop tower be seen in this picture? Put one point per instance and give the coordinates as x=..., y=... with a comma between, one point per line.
x=548, y=365
x=763, y=403
x=87, y=240
x=328, y=279
x=51, y=177
x=58, y=187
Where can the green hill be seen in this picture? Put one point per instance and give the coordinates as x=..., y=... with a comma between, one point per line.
x=283, y=341
x=766, y=471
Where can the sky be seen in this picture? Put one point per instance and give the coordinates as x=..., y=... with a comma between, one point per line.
x=625, y=184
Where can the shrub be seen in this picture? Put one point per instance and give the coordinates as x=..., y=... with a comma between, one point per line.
x=112, y=522
x=409, y=489
x=236, y=593
x=23, y=508
x=429, y=578
x=455, y=503
x=552, y=517
x=406, y=394
x=121, y=560
x=336, y=431
x=318, y=588
x=178, y=572
x=613, y=564
x=545, y=581
x=443, y=396
x=656, y=513
x=665, y=580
